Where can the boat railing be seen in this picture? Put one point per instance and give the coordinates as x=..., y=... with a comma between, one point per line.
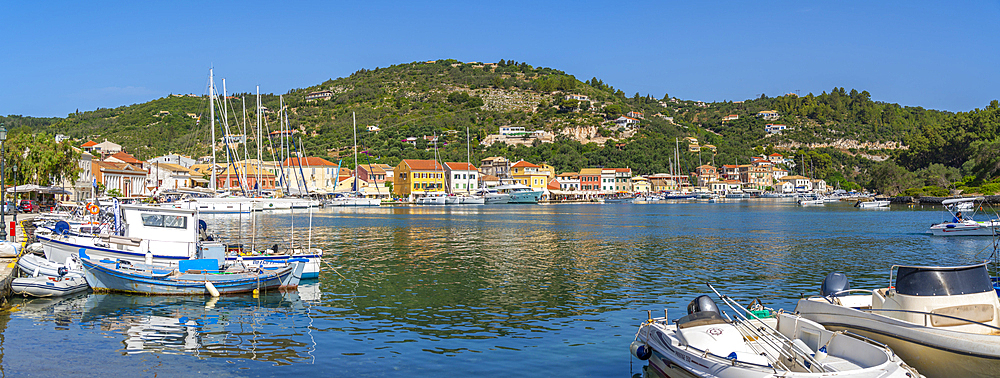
x=928, y=315
x=837, y=294
x=745, y=326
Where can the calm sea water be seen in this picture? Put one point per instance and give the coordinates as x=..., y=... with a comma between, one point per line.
x=474, y=291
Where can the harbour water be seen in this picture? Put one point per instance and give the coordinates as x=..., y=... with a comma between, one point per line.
x=475, y=291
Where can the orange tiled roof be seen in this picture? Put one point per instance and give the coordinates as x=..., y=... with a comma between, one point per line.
x=423, y=165
x=523, y=164
x=306, y=162
x=89, y=143
x=125, y=157
x=461, y=166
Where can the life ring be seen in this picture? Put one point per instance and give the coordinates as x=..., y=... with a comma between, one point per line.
x=93, y=209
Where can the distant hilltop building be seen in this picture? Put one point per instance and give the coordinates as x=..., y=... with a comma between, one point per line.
x=774, y=129
x=577, y=97
x=768, y=115
x=731, y=117
x=321, y=95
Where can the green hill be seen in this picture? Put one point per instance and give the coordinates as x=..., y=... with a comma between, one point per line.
x=839, y=136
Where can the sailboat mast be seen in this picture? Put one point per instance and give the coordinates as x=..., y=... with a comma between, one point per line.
x=225, y=123
x=354, y=120
x=468, y=161
x=211, y=112
x=260, y=156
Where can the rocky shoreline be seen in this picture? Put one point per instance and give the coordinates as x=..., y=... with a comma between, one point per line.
x=938, y=200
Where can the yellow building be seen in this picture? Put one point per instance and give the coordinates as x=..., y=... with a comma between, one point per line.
x=529, y=174
x=640, y=184
x=548, y=170
x=418, y=177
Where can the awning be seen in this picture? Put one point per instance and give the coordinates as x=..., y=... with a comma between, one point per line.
x=31, y=188
x=199, y=179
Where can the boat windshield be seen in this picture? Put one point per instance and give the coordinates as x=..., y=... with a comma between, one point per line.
x=942, y=281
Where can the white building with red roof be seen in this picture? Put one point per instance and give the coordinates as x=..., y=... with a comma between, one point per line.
x=461, y=177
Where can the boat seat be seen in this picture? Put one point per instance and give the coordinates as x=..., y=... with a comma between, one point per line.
x=982, y=313
x=123, y=240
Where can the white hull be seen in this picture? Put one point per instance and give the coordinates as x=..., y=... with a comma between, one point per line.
x=966, y=228
x=496, y=198
x=33, y=265
x=61, y=247
x=873, y=204
x=935, y=352
x=721, y=350
x=528, y=196
x=48, y=286
x=355, y=202
x=431, y=200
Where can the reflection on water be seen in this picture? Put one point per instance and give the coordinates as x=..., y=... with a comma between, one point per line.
x=437, y=290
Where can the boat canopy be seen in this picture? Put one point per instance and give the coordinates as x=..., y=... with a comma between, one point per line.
x=958, y=200
x=926, y=281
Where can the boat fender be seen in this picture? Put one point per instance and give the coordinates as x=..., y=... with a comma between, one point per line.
x=149, y=257
x=640, y=350
x=211, y=289
x=35, y=274
x=820, y=354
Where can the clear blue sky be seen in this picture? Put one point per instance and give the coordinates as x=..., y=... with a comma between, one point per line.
x=63, y=56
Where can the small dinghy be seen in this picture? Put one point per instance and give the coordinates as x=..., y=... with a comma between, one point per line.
x=33, y=266
x=44, y=286
x=707, y=343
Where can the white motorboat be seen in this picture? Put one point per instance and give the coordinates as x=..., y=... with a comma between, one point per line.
x=45, y=286
x=812, y=202
x=473, y=200
x=166, y=235
x=872, y=204
x=941, y=320
x=963, y=224
x=33, y=265
x=520, y=193
x=492, y=197
x=708, y=343
x=353, y=200
x=432, y=199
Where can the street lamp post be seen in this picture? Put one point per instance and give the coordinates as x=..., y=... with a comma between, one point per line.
x=3, y=187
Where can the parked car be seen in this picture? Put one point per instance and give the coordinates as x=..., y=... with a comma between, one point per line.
x=8, y=207
x=27, y=206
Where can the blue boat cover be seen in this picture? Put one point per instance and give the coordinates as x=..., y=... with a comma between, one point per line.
x=198, y=264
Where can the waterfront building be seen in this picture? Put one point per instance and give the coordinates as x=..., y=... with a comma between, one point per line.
x=418, y=178
x=640, y=184
x=122, y=157
x=799, y=183
x=608, y=180
x=377, y=173
x=497, y=166
x=316, y=174
x=233, y=175
x=488, y=181
x=166, y=176
x=664, y=181
x=590, y=180
x=819, y=186
x=706, y=174
x=569, y=181
x=778, y=173
x=181, y=160
x=129, y=180
x=529, y=174
x=81, y=186
x=548, y=170
x=461, y=177
x=623, y=179
x=730, y=172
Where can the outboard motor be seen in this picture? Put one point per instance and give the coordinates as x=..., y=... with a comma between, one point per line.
x=703, y=303
x=833, y=283
x=62, y=271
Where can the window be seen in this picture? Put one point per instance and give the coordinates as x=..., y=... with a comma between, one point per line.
x=168, y=221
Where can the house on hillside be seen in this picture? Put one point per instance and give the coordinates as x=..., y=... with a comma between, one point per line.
x=731, y=117
x=774, y=129
x=627, y=122
x=768, y=115
x=320, y=95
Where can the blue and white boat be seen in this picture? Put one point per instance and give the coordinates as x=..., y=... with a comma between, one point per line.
x=190, y=277
x=168, y=235
x=45, y=286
